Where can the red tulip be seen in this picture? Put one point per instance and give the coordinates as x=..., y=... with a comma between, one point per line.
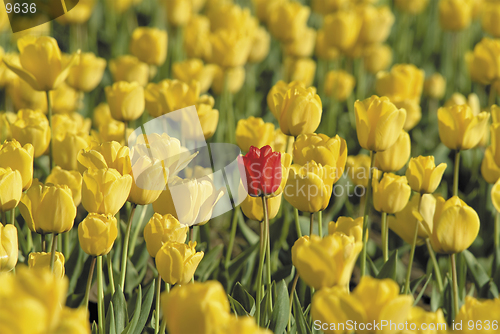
x=262, y=170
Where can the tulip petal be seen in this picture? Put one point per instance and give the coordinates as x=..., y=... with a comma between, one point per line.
x=23, y=74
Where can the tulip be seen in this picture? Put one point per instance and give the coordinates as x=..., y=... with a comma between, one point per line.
x=413, y=7
x=48, y=208
x=423, y=175
x=119, y=6
x=8, y=247
x=71, y=122
x=129, y=68
x=179, y=12
x=233, y=78
x=32, y=127
x=378, y=123
x=105, y=155
x=357, y=168
x=302, y=45
x=232, y=17
x=322, y=149
x=348, y=226
x=282, y=142
x=456, y=226
x=377, y=57
x=88, y=73
x=42, y=260
x=435, y=86
x=19, y=158
x=347, y=25
x=489, y=169
x=101, y=115
x=194, y=200
x=403, y=223
x=176, y=262
x=483, y=61
x=419, y=316
x=162, y=229
x=298, y=110
x=459, y=129
x=253, y=131
x=287, y=20
x=72, y=179
x=207, y=115
x=322, y=49
x=194, y=69
x=64, y=100
x=244, y=325
x=105, y=190
x=372, y=301
x=472, y=101
x=454, y=15
x=149, y=45
x=391, y=194
x=477, y=311
x=261, y=44
x=41, y=63
x=230, y=48
x=5, y=131
x=495, y=195
x=126, y=100
x=170, y=95
x=253, y=208
x=148, y=180
x=280, y=88
x=263, y=8
x=339, y=84
x=73, y=321
x=262, y=168
x=396, y=156
x=309, y=187
x=299, y=69
x=196, y=38
x=326, y=262
x=206, y=302
x=97, y=234
x=376, y=24
x=66, y=148
x=11, y=189
x=490, y=17
x=403, y=82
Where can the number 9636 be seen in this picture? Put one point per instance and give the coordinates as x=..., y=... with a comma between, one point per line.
x=21, y=8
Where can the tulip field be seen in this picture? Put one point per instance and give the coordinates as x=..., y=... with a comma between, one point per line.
x=249, y=166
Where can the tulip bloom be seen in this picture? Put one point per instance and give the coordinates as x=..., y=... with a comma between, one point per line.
x=348, y=226
x=252, y=207
x=149, y=45
x=42, y=260
x=19, y=158
x=489, y=169
x=8, y=247
x=170, y=95
x=176, y=262
x=87, y=74
x=339, y=84
x=128, y=68
x=479, y=311
x=194, y=69
x=162, y=229
x=11, y=189
x=357, y=168
x=253, y=131
x=483, y=61
x=322, y=149
x=67, y=145
x=403, y=82
x=262, y=170
x=105, y=155
x=347, y=24
x=423, y=175
x=207, y=115
x=299, y=69
x=378, y=123
x=391, y=194
x=287, y=19
x=32, y=127
x=455, y=15
x=48, y=208
x=435, y=86
x=126, y=100
x=97, y=234
x=396, y=156
x=377, y=57
x=72, y=179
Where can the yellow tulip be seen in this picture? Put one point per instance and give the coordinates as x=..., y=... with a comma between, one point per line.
x=19, y=158
x=280, y=88
x=64, y=100
x=253, y=131
x=261, y=44
x=403, y=223
x=302, y=45
x=170, y=95
x=105, y=155
x=357, y=168
x=179, y=12
x=396, y=156
x=376, y=24
x=230, y=48
x=483, y=61
x=403, y=82
x=264, y=8
x=322, y=50
x=378, y=123
x=119, y=6
x=42, y=260
x=48, y=208
x=148, y=179
x=309, y=187
x=489, y=169
x=454, y=15
x=66, y=146
x=322, y=149
x=88, y=73
x=149, y=45
x=207, y=115
x=73, y=321
x=377, y=57
x=176, y=262
x=253, y=209
x=339, y=84
x=126, y=100
x=101, y=115
x=233, y=77
x=423, y=174
x=243, y=325
x=282, y=142
x=299, y=69
x=162, y=229
x=298, y=110
x=391, y=194
x=435, y=86
x=489, y=18
x=433, y=322
x=326, y=262
x=97, y=234
x=413, y=7
x=348, y=226
x=32, y=127
x=287, y=20
x=72, y=179
x=206, y=302
x=197, y=38
x=71, y=122
x=194, y=69
x=79, y=14
x=347, y=25
x=11, y=188
x=8, y=247
x=373, y=301
x=129, y=68
x=324, y=7
x=42, y=65
x=5, y=131
x=477, y=311
x=472, y=101
x=456, y=226
x=459, y=129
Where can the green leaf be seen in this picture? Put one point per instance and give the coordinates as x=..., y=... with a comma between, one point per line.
x=373, y=267
x=110, y=320
x=279, y=318
x=237, y=307
x=389, y=269
x=479, y=275
x=74, y=267
x=137, y=312
x=95, y=330
x=209, y=262
x=415, y=283
x=302, y=327
x=243, y=297
x=241, y=260
x=461, y=276
x=147, y=302
x=120, y=305
x=81, y=280
x=422, y=291
x=247, y=232
x=264, y=310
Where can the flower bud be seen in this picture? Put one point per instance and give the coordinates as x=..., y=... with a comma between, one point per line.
x=38, y=260
x=435, y=86
x=391, y=194
x=489, y=169
x=299, y=69
x=235, y=77
x=261, y=44
x=396, y=156
x=97, y=234
x=170, y=95
x=149, y=45
x=126, y=100
x=423, y=175
x=339, y=84
x=179, y=12
x=377, y=24
x=11, y=189
x=194, y=69
x=8, y=247
x=88, y=73
x=403, y=82
x=348, y=226
x=483, y=61
x=106, y=155
x=454, y=15
x=287, y=20
x=347, y=25
x=72, y=179
x=162, y=229
x=377, y=57
x=197, y=38
x=176, y=262
x=302, y=45
x=32, y=127
x=129, y=68
x=253, y=131
x=207, y=115
x=19, y=158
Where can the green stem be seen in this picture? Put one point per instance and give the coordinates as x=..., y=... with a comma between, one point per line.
x=89, y=283
x=294, y=285
x=297, y=222
x=455, y=283
x=385, y=237
x=366, y=214
x=437, y=271
x=320, y=224
x=53, y=251
x=268, y=252
x=158, y=292
x=12, y=216
x=262, y=254
x=111, y=278
x=4, y=217
x=100, y=296
x=125, y=247
x=410, y=263
x=66, y=243
x=455, y=173
x=234, y=224
x=496, y=230
x=138, y=227
x=163, y=326
x=311, y=223
x=44, y=242
x=492, y=96
x=49, y=116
